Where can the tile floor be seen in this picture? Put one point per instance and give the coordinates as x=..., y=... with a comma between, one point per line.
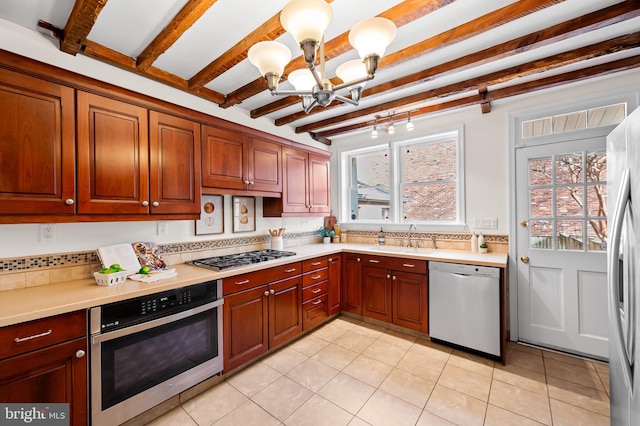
x=353, y=373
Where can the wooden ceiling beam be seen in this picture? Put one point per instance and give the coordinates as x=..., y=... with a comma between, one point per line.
x=626, y=42
x=188, y=15
x=82, y=18
x=401, y=14
x=562, y=31
x=519, y=89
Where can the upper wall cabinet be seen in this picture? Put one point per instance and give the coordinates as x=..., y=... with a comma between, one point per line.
x=305, y=186
x=134, y=161
x=36, y=146
x=237, y=162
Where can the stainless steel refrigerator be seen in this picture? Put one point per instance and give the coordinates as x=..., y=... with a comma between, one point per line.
x=623, y=260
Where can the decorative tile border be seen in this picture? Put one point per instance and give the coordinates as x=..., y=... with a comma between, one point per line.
x=458, y=236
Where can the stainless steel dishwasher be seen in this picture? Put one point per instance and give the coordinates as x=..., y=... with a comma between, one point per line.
x=464, y=305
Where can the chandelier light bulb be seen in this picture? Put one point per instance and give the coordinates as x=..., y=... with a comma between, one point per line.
x=391, y=130
x=269, y=57
x=306, y=19
x=302, y=79
x=372, y=36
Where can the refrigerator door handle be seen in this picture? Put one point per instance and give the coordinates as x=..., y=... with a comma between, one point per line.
x=614, y=276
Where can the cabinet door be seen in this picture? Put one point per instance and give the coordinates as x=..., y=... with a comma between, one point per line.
x=335, y=273
x=319, y=184
x=246, y=320
x=376, y=289
x=410, y=307
x=174, y=165
x=113, y=156
x=285, y=310
x=351, y=295
x=295, y=183
x=56, y=374
x=223, y=158
x=37, y=151
x=264, y=166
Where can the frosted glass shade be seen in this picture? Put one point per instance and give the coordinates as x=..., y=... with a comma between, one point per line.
x=306, y=19
x=372, y=36
x=269, y=57
x=302, y=79
x=352, y=70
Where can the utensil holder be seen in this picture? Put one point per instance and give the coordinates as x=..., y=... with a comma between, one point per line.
x=276, y=243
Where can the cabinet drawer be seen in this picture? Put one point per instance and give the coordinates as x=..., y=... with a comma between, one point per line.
x=315, y=290
x=315, y=263
x=253, y=279
x=315, y=311
x=396, y=263
x=29, y=336
x=315, y=277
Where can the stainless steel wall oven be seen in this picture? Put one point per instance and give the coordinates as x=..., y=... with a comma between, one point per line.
x=148, y=349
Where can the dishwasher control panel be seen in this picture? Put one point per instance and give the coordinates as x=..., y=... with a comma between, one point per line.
x=460, y=269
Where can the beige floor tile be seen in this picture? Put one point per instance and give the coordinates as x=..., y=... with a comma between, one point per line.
x=285, y=359
x=312, y=374
x=471, y=362
x=317, y=411
x=309, y=345
x=526, y=360
x=383, y=409
x=335, y=356
x=569, y=359
x=429, y=419
x=347, y=392
x=520, y=401
x=253, y=379
x=408, y=387
x=358, y=422
x=465, y=381
x=329, y=332
x=354, y=341
x=573, y=373
x=582, y=396
x=385, y=352
x=456, y=407
x=397, y=338
x=345, y=322
x=431, y=349
x=282, y=397
x=521, y=377
x=175, y=417
x=248, y=413
x=422, y=366
x=214, y=403
x=524, y=348
x=569, y=415
x=497, y=416
x=368, y=370
x=370, y=330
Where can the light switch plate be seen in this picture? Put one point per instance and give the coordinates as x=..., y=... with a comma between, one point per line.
x=486, y=223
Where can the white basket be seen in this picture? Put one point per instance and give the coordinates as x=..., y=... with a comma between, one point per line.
x=110, y=279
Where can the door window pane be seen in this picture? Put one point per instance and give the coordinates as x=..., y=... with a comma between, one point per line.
x=597, y=167
x=541, y=200
x=596, y=200
x=596, y=234
x=541, y=234
x=569, y=235
x=569, y=201
x=540, y=172
x=569, y=168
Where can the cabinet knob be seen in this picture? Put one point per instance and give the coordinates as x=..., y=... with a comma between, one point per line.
x=251, y=182
x=358, y=259
x=394, y=277
x=266, y=293
x=69, y=201
x=155, y=204
x=246, y=182
x=80, y=353
x=272, y=291
x=388, y=276
x=145, y=203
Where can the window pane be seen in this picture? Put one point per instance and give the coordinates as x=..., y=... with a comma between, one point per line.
x=540, y=202
x=540, y=171
x=597, y=234
x=606, y=116
x=541, y=234
x=597, y=167
x=533, y=128
x=569, y=235
x=569, y=168
x=429, y=202
x=569, y=201
x=371, y=169
x=570, y=122
x=596, y=200
x=429, y=162
x=372, y=203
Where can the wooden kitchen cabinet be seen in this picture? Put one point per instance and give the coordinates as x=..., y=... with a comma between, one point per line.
x=315, y=288
x=134, y=161
x=351, y=286
x=305, y=185
x=233, y=160
x=48, y=363
x=37, y=146
x=376, y=290
x=410, y=301
x=334, y=282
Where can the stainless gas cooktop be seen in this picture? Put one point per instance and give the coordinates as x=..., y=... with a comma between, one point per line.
x=219, y=263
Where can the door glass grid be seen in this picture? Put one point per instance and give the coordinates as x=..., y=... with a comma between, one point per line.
x=568, y=202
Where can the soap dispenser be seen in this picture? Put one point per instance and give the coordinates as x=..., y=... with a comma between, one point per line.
x=474, y=242
x=381, y=237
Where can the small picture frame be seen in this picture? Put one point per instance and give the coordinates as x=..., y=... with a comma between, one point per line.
x=211, y=215
x=244, y=214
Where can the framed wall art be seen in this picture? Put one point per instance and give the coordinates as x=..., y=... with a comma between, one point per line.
x=244, y=214
x=211, y=215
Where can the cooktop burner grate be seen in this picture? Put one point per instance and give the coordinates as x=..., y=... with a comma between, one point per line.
x=219, y=263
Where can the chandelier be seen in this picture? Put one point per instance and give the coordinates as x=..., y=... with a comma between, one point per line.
x=306, y=21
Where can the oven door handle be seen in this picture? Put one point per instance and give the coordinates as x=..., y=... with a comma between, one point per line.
x=99, y=338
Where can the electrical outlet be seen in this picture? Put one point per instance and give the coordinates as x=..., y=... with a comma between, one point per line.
x=162, y=229
x=486, y=223
x=47, y=233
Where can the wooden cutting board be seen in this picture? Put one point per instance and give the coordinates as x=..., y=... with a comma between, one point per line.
x=329, y=221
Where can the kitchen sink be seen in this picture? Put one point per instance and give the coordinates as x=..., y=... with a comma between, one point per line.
x=397, y=249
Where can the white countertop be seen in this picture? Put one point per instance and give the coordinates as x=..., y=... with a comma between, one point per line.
x=31, y=303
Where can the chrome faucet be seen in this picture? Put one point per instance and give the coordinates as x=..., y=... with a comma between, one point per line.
x=409, y=238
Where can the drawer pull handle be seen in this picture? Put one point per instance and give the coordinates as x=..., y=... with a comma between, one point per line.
x=374, y=261
x=242, y=282
x=409, y=265
x=315, y=277
x=288, y=271
x=317, y=302
x=35, y=336
x=317, y=290
x=316, y=263
x=80, y=353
